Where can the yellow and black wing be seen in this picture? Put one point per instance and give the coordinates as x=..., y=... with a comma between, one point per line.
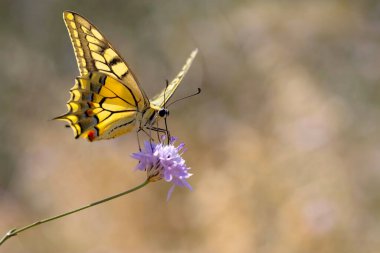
x=159, y=100
x=106, y=97
x=100, y=107
x=94, y=53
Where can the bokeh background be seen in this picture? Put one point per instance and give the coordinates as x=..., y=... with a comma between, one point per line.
x=283, y=141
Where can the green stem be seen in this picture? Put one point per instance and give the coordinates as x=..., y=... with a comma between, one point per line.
x=15, y=231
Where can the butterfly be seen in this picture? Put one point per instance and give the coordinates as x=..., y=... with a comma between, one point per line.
x=107, y=100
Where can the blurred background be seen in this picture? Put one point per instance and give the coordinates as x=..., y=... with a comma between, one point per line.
x=283, y=141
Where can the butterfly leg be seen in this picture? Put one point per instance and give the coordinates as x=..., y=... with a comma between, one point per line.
x=138, y=139
x=147, y=134
x=158, y=133
x=141, y=128
x=150, y=138
x=167, y=131
x=160, y=130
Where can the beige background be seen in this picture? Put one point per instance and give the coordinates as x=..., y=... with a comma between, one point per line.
x=283, y=141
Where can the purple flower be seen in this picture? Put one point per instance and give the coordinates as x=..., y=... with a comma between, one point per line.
x=164, y=161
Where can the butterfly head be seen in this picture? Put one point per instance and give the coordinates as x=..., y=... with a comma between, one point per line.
x=163, y=112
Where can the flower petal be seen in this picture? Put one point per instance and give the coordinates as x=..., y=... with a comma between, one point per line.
x=164, y=161
x=170, y=192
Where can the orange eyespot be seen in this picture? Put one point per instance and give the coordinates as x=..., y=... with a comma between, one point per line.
x=89, y=112
x=91, y=135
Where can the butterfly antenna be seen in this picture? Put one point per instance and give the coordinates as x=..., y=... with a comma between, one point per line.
x=166, y=88
x=192, y=95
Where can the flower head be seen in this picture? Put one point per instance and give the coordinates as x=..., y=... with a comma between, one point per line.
x=164, y=161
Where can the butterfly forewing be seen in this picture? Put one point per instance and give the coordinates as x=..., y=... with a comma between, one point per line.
x=160, y=99
x=95, y=54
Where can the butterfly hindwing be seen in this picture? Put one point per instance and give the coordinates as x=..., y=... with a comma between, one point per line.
x=100, y=107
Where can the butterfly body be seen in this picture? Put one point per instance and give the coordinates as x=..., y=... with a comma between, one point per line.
x=106, y=100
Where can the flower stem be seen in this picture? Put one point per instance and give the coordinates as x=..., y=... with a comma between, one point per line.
x=16, y=231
